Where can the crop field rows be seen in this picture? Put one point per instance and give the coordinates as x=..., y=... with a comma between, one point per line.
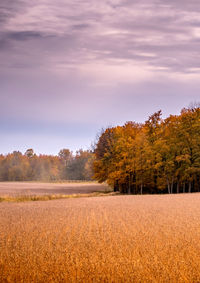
x=105, y=239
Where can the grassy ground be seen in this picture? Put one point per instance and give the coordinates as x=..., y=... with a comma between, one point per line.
x=22, y=198
x=27, y=191
x=107, y=239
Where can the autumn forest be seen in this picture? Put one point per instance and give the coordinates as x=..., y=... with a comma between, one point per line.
x=158, y=156
x=31, y=167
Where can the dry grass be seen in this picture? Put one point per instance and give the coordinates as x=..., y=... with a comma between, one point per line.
x=22, y=198
x=18, y=189
x=107, y=239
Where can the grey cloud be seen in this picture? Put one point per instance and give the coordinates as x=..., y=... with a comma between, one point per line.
x=192, y=5
x=3, y=16
x=10, y=8
x=81, y=26
x=4, y=44
x=24, y=35
x=112, y=30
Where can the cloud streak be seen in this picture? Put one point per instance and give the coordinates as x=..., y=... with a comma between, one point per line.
x=152, y=32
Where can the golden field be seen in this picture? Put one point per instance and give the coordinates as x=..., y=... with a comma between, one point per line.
x=152, y=238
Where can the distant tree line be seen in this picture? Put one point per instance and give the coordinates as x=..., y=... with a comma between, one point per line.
x=158, y=156
x=16, y=166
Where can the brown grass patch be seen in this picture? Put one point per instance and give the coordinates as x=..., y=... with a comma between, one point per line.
x=22, y=198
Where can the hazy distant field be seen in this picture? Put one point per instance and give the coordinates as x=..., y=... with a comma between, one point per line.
x=104, y=239
x=37, y=188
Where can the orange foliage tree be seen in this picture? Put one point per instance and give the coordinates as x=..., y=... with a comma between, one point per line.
x=161, y=155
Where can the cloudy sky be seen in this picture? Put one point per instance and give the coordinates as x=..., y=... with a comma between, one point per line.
x=70, y=67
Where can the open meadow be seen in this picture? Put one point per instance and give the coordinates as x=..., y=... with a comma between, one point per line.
x=17, y=189
x=151, y=238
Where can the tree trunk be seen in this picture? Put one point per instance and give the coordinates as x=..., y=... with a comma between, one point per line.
x=177, y=187
x=168, y=186
x=172, y=185
x=190, y=187
x=129, y=185
x=141, y=189
x=183, y=187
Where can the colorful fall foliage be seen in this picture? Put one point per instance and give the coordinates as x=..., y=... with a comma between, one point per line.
x=29, y=166
x=160, y=155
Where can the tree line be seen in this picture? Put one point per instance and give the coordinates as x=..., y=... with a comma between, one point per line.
x=16, y=166
x=158, y=156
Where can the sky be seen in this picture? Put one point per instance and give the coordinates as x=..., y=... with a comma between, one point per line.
x=69, y=68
